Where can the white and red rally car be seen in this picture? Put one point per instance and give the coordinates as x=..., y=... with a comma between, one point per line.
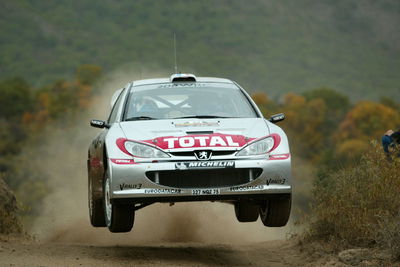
x=187, y=138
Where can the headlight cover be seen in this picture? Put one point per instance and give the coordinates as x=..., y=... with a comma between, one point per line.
x=260, y=147
x=137, y=149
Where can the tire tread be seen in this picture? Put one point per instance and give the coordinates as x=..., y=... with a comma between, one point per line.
x=246, y=211
x=278, y=212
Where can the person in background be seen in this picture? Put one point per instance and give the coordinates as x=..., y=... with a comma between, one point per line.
x=390, y=141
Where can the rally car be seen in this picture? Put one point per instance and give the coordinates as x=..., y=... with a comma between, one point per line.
x=187, y=138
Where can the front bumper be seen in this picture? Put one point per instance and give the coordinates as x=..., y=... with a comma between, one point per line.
x=130, y=183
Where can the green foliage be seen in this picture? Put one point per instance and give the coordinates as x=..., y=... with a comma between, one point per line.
x=88, y=74
x=389, y=102
x=63, y=97
x=25, y=113
x=275, y=46
x=15, y=98
x=336, y=103
x=11, y=134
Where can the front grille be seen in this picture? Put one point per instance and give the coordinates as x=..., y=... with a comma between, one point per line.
x=214, y=153
x=204, y=178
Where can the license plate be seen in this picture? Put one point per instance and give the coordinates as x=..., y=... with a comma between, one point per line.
x=200, y=192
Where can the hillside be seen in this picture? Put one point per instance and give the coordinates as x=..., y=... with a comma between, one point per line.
x=272, y=46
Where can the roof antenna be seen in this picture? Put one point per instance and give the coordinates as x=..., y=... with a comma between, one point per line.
x=176, y=65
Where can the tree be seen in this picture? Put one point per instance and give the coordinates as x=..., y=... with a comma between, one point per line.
x=351, y=149
x=336, y=104
x=88, y=74
x=16, y=98
x=389, y=102
x=303, y=124
x=366, y=121
x=263, y=102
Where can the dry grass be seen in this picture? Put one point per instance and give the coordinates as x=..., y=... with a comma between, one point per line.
x=359, y=205
x=9, y=222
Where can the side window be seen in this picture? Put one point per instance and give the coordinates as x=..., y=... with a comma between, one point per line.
x=114, y=111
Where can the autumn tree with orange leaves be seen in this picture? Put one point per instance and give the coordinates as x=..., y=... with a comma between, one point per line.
x=63, y=98
x=323, y=126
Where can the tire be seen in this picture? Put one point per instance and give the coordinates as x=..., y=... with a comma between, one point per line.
x=246, y=211
x=119, y=217
x=276, y=212
x=96, y=208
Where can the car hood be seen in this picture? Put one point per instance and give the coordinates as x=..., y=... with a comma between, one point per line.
x=189, y=133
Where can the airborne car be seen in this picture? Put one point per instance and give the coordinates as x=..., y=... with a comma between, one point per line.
x=187, y=138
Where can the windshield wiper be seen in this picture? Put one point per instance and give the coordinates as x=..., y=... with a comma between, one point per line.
x=140, y=118
x=201, y=117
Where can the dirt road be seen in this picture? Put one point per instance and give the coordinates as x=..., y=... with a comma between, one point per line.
x=17, y=252
x=186, y=234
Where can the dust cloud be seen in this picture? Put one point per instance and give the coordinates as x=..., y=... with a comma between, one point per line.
x=64, y=217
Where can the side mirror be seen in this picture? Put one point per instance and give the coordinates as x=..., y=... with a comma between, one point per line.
x=99, y=124
x=277, y=117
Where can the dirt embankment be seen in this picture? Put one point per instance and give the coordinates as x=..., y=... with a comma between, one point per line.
x=9, y=222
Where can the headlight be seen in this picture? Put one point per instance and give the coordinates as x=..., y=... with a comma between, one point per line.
x=262, y=146
x=144, y=151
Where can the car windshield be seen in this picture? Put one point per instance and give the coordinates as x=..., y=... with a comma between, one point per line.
x=187, y=100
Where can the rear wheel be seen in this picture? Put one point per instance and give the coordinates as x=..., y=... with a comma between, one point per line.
x=246, y=211
x=96, y=207
x=119, y=217
x=276, y=212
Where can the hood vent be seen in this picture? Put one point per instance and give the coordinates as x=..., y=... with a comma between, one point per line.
x=200, y=132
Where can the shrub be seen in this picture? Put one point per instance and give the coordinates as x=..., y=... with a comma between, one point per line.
x=9, y=223
x=359, y=205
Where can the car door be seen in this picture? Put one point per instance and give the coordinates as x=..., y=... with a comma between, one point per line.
x=97, y=155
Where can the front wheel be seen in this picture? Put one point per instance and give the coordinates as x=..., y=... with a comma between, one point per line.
x=119, y=217
x=276, y=212
x=96, y=207
x=246, y=211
